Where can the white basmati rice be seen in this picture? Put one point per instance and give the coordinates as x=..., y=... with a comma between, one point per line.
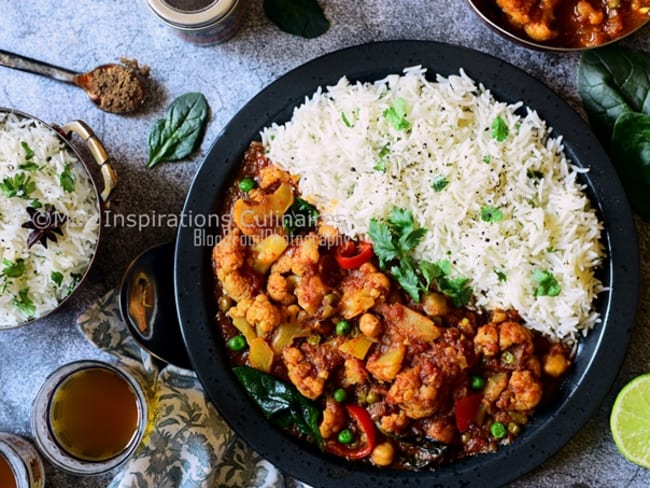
x=49, y=273
x=334, y=142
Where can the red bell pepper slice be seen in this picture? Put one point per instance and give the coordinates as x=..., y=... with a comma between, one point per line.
x=350, y=255
x=361, y=416
x=466, y=410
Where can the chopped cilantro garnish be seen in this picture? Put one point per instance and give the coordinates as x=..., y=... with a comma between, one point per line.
x=28, y=166
x=13, y=270
x=24, y=303
x=381, y=164
x=491, y=214
x=20, y=186
x=547, y=285
x=393, y=242
x=76, y=278
x=345, y=120
x=501, y=276
x=500, y=129
x=396, y=115
x=67, y=179
x=57, y=277
x=301, y=216
x=439, y=183
x=29, y=153
x=487, y=159
x=36, y=204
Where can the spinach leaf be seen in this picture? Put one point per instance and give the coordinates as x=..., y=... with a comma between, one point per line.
x=611, y=81
x=299, y=17
x=178, y=134
x=281, y=402
x=630, y=148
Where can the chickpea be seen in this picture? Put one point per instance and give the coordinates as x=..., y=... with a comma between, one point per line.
x=370, y=325
x=383, y=454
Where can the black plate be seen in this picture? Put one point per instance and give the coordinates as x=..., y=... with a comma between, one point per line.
x=599, y=355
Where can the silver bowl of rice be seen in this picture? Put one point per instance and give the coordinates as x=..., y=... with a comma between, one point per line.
x=50, y=213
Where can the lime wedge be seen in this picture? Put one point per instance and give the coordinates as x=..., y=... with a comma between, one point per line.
x=630, y=421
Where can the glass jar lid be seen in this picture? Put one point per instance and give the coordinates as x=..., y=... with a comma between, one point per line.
x=191, y=13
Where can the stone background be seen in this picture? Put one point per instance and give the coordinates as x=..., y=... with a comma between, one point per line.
x=80, y=35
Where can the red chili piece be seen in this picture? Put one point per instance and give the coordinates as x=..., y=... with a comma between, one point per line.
x=350, y=255
x=361, y=416
x=466, y=409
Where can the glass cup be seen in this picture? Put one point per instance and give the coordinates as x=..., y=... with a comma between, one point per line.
x=88, y=417
x=20, y=464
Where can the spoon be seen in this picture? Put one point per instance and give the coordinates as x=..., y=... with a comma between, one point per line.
x=148, y=305
x=112, y=87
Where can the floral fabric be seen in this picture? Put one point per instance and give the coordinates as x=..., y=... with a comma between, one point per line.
x=187, y=444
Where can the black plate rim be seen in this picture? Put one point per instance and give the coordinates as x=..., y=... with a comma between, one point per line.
x=606, y=345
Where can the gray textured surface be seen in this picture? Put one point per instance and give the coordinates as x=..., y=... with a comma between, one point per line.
x=81, y=35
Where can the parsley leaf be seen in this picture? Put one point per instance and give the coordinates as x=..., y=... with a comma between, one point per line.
x=346, y=121
x=491, y=214
x=500, y=130
x=396, y=115
x=547, y=285
x=20, y=186
x=67, y=179
x=24, y=303
x=29, y=153
x=301, y=216
x=13, y=270
x=57, y=277
x=439, y=183
x=394, y=240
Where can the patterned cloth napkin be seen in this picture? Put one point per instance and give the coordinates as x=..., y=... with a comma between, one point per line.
x=188, y=444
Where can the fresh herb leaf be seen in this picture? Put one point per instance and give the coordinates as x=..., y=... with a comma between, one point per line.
x=396, y=115
x=20, y=186
x=380, y=166
x=28, y=166
x=57, y=277
x=383, y=152
x=281, y=402
x=500, y=130
x=487, y=159
x=13, y=270
x=501, y=276
x=24, y=303
x=36, y=204
x=298, y=17
x=491, y=214
x=547, y=285
x=345, y=120
x=439, y=183
x=393, y=242
x=180, y=132
x=76, y=278
x=67, y=179
x=29, y=153
x=300, y=217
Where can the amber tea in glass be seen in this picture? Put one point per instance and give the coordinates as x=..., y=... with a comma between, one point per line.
x=7, y=477
x=89, y=417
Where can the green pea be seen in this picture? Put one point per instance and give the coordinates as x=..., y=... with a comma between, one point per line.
x=498, y=430
x=346, y=436
x=477, y=382
x=343, y=327
x=247, y=184
x=340, y=395
x=237, y=343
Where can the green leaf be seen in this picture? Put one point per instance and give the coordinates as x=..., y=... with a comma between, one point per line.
x=382, y=242
x=281, y=402
x=501, y=276
x=298, y=17
x=380, y=166
x=57, y=277
x=396, y=115
x=613, y=80
x=67, y=179
x=439, y=183
x=631, y=153
x=401, y=219
x=300, y=217
x=456, y=289
x=445, y=266
x=29, y=153
x=547, y=285
x=408, y=280
x=179, y=133
x=13, y=270
x=345, y=120
x=500, y=130
x=28, y=166
x=430, y=272
x=487, y=159
x=491, y=214
x=24, y=303
x=19, y=185
x=410, y=240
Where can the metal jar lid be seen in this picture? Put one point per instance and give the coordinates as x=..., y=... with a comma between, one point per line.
x=204, y=13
